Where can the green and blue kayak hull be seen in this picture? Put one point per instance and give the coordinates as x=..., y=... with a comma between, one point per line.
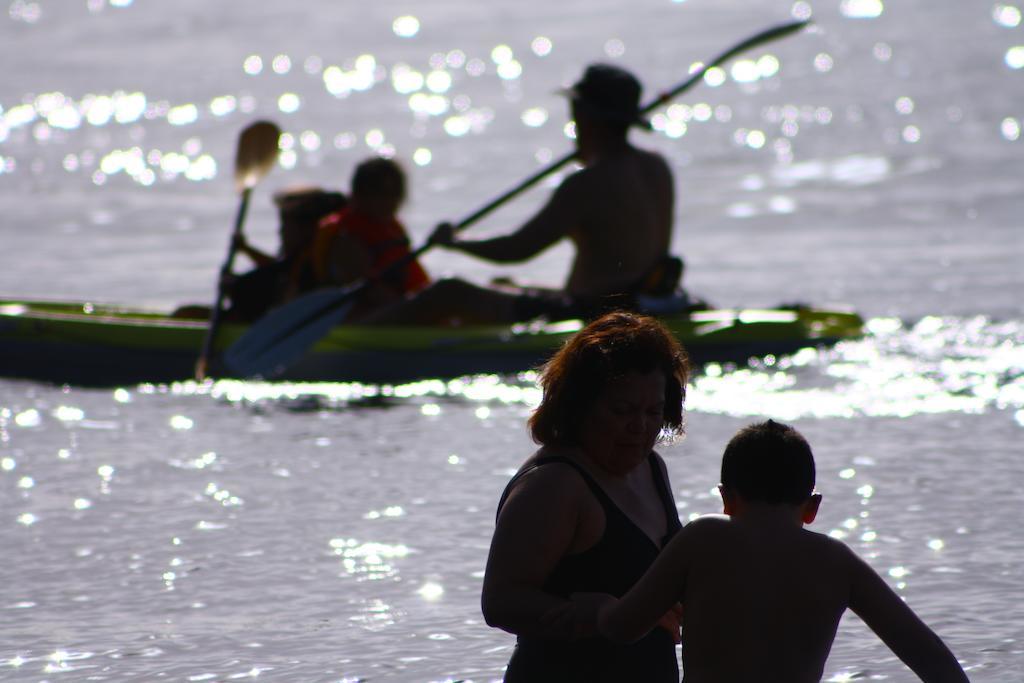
x=104, y=345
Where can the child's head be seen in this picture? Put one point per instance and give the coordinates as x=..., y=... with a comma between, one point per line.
x=300, y=210
x=380, y=183
x=768, y=462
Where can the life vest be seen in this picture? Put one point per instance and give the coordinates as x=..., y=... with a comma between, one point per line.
x=386, y=242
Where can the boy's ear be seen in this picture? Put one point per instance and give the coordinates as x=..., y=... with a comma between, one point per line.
x=728, y=500
x=810, y=508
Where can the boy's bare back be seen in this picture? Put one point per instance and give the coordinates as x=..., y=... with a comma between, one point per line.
x=777, y=590
x=762, y=598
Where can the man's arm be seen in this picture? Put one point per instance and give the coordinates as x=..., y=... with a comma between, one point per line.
x=899, y=628
x=553, y=222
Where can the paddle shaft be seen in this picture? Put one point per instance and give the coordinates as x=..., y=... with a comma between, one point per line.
x=225, y=271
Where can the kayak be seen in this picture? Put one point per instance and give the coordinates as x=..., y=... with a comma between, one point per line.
x=93, y=344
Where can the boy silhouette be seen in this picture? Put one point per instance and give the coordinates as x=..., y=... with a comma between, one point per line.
x=761, y=595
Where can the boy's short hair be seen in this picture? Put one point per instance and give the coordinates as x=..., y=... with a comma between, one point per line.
x=769, y=462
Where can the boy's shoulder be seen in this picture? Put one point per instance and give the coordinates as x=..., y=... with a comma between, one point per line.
x=720, y=526
x=709, y=522
x=707, y=527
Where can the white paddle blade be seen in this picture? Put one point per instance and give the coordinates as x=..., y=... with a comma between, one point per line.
x=256, y=153
x=282, y=336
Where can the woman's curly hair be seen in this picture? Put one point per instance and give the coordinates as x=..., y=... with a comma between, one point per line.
x=609, y=347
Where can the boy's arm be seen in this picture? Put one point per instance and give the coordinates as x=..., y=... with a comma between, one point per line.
x=655, y=594
x=895, y=623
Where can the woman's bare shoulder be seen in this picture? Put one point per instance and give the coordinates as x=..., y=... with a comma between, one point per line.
x=546, y=472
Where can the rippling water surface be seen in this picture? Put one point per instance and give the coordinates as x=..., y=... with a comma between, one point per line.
x=334, y=532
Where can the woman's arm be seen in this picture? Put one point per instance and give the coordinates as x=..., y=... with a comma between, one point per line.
x=536, y=528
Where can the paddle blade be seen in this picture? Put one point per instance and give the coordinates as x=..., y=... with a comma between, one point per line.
x=283, y=335
x=256, y=154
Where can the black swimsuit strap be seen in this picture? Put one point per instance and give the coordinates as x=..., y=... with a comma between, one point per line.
x=546, y=460
x=667, y=501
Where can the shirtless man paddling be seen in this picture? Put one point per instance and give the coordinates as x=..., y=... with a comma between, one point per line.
x=617, y=211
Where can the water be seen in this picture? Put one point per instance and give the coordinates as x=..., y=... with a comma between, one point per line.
x=338, y=532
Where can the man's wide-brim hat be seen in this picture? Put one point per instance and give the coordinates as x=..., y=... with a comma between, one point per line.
x=608, y=93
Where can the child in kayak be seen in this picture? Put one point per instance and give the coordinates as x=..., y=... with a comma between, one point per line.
x=275, y=280
x=365, y=240
x=279, y=279
x=762, y=596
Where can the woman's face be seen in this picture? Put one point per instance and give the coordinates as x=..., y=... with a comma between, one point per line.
x=624, y=421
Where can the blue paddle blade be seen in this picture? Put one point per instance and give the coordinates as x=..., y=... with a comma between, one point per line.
x=282, y=336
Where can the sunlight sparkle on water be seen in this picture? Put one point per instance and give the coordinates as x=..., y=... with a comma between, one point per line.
x=253, y=65
x=845, y=677
x=374, y=615
x=801, y=10
x=861, y=9
x=281, y=64
x=28, y=418
x=390, y=511
x=405, y=79
x=289, y=103
x=615, y=48
x=936, y=366
x=181, y=422
x=422, y=156
x=541, y=46
x=439, y=81
x=510, y=70
x=715, y=76
x=1006, y=15
x=535, y=117
x=899, y=572
x=406, y=26
x=431, y=591
x=1010, y=129
x=367, y=560
x=1015, y=57
x=183, y=115
x=501, y=54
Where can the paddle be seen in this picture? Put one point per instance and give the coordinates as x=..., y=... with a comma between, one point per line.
x=255, y=156
x=283, y=335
